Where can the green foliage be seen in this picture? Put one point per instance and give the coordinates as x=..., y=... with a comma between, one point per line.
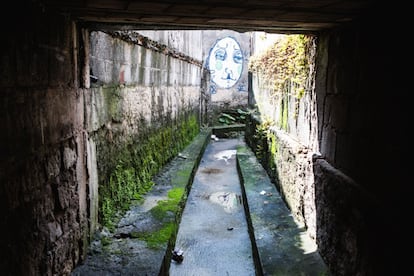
x=226, y=118
x=261, y=136
x=105, y=241
x=237, y=116
x=285, y=69
x=266, y=146
x=273, y=149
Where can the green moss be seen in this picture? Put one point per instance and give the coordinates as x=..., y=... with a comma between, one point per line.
x=118, y=252
x=260, y=138
x=161, y=237
x=113, y=99
x=105, y=241
x=137, y=162
x=273, y=148
x=265, y=146
x=181, y=178
x=241, y=149
x=169, y=205
x=284, y=114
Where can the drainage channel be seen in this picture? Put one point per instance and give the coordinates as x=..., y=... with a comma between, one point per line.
x=213, y=236
x=234, y=222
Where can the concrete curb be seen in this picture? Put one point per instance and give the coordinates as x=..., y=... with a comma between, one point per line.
x=280, y=246
x=184, y=178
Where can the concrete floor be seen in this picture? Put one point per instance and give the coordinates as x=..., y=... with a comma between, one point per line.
x=213, y=233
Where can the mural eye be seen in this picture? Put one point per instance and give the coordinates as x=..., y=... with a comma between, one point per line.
x=220, y=54
x=237, y=57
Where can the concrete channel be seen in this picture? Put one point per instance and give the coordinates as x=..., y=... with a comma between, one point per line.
x=233, y=221
x=213, y=234
x=236, y=223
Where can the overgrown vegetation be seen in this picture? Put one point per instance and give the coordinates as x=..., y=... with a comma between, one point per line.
x=137, y=163
x=285, y=69
x=286, y=62
x=261, y=137
x=265, y=145
x=160, y=237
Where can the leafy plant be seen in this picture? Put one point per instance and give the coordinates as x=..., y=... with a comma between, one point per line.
x=237, y=116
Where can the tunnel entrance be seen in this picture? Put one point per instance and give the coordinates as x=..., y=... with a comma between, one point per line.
x=92, y=113
x=148, y=80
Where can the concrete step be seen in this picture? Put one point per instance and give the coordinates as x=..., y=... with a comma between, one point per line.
x=280, y=245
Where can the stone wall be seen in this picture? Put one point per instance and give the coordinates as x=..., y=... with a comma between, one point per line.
x=70, y=99
x=359, y=189
x=335, y=163
x=43, y=177
x=303, y=156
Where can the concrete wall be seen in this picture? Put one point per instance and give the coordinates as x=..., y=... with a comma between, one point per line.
x=185, y=41
x=360, y=183
x=150, y=85
x=222, y=94
x=138, y=91
x=226, y=54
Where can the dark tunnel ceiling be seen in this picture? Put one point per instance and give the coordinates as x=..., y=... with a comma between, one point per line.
x=277, y=16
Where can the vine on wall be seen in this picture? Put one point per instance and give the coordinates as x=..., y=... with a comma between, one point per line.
x=283, y=70
x=284, y=63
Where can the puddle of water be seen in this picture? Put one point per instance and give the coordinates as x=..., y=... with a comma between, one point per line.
x=230, y=201
x=225, y=155
x=211, y=170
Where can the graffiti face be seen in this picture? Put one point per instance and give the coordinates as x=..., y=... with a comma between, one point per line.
x=225, y=62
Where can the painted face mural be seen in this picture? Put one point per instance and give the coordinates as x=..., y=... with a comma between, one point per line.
x=225, y=62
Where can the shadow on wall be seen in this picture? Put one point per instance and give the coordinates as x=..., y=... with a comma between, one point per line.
x=344, y=233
